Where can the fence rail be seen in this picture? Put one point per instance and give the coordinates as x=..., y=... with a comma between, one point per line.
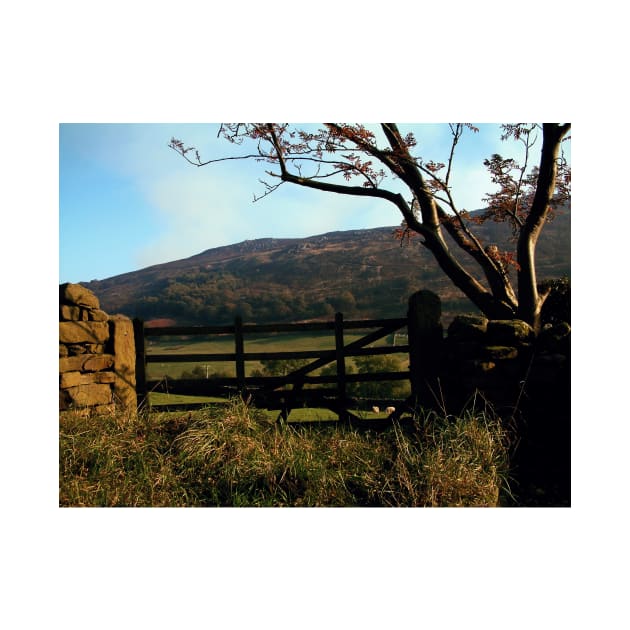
x=286, y=392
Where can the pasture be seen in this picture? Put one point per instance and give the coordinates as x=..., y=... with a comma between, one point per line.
x=268, y=342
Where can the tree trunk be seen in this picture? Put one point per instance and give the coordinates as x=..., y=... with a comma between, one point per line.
x=529, y=301
x=485, y=301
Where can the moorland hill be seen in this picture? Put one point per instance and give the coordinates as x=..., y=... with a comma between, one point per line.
x=362, y=273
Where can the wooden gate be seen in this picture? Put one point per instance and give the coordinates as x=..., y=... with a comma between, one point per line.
x=299, y=388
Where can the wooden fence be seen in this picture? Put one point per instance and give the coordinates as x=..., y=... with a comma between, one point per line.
x=291, y=391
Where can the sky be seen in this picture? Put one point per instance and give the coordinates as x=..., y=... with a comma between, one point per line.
x=128, y=201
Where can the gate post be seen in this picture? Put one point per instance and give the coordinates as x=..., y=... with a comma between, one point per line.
x=425, y=347
x=141, y=362
x=239, y=353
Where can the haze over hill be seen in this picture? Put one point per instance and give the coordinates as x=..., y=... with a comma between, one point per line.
x=362, y=273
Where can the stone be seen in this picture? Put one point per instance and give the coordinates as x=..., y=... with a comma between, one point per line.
x=96, y=315
x=73, y=379
x=71, y=364
x=95, y=348
x=469, y=327
x=500, y=353
x=83, y=332
x=76, y=294
x=67, y=312
x=99, y=377
x=502, y=331
x=96, y=363
x=75, y=349
x=69, y=379
x=87, y=395
x=96, y=355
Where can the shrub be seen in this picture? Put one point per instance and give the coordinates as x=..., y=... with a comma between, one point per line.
x=557, y=306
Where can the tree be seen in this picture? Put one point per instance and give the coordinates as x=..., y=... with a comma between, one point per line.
x=282, y=367
x=378, y=389
x=345, y=302
x=333, y=157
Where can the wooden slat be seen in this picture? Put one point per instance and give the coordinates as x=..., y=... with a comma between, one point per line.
x=200, y=386
x=164, y=331
x=273, y=328
x=190, y=358
x=262, y=356
x=247, y=356
x=392, y=324
x=278, y=328
x=363, y=352
x=263, y=382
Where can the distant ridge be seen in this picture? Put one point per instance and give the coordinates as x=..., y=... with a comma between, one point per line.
x=363, y=273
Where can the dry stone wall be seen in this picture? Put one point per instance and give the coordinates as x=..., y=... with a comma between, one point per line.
x=505, y=360
x=97, y=355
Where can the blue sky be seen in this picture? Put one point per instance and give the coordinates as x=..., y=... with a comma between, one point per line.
x=128, y=201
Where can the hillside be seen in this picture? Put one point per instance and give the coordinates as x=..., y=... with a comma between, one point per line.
x=363, y=273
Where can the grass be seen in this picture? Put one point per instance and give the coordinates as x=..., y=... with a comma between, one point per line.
x=236, y=457
x=301, y=414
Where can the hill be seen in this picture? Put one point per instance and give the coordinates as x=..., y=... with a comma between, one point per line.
x=362, y=273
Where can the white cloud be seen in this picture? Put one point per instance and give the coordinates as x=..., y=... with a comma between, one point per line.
x=303, y=212
x=196, y=212
x=213, y=206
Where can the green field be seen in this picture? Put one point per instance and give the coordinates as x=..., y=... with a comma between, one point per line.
x=279, y=342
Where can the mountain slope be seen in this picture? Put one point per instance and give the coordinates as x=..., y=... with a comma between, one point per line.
x=363, y=273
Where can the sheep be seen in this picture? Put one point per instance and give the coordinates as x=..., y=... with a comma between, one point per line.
x=388, y=410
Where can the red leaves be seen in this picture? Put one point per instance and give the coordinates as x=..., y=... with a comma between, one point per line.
x=356, y=133
x=410, y=141
x=504, y=259
x=404, y=234
x=434, y=167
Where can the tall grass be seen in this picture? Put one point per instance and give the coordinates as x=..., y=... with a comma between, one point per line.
x=236, y=457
